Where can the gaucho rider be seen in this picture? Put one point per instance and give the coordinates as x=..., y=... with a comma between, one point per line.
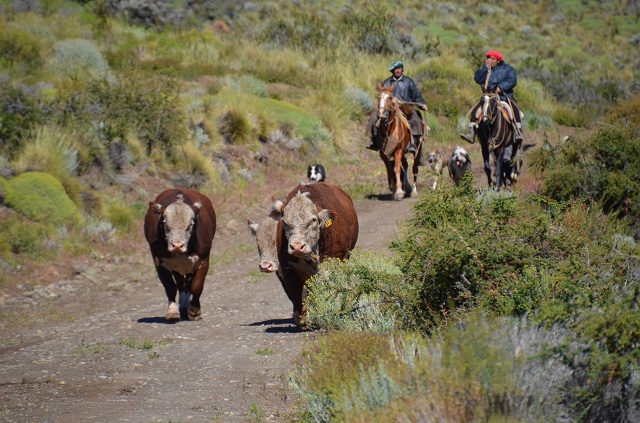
x=501, y=81
x=404, y=89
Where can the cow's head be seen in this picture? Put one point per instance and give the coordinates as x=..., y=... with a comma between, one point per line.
x=265, y=233
x=303, y=224
x=178, y=220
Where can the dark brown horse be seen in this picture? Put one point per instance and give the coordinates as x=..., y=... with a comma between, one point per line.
x=495, y=132
x=393, y=137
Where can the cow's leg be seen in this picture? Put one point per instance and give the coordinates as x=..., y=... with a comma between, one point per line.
x=197, y=286
x=183, y=293
x=171, y=290
x=397, y=170
x=296, y=291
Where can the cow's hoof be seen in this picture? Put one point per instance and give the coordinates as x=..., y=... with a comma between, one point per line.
x=300, y=321
x=173, y=313
x=194, y=313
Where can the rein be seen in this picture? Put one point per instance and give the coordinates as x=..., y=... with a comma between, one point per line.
x=491, y=117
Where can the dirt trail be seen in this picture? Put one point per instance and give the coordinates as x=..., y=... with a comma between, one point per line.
x=105, y=353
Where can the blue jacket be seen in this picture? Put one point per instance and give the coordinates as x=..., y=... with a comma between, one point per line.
x=503, y=76
x=405, y=89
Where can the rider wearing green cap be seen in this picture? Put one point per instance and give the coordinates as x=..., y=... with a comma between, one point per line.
x=405, y=89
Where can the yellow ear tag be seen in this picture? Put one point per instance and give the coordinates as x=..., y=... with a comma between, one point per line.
x=329, y=222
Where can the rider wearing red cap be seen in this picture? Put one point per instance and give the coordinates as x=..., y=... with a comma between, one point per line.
x=502, y=81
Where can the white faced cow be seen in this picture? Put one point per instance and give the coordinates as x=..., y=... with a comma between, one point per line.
x=179, y=227
x=317, y=222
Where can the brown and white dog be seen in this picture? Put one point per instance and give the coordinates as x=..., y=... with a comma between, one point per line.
x=436, y=163
x=459, y=162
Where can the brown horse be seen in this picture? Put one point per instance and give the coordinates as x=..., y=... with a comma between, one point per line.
x=393, y=137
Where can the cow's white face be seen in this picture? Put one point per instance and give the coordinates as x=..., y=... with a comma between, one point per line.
x=265, y=233
x=178, y=220
x=302, y=225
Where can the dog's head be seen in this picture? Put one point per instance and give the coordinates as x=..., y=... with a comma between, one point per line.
x=459, y=158
x=435, y=160
x=316, y=173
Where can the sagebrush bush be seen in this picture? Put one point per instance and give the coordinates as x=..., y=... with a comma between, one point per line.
x=362, y=293
x=479, y=370
x=78, y=59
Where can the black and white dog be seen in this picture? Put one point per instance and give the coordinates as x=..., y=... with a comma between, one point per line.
x=458, y=164
x=316, y=173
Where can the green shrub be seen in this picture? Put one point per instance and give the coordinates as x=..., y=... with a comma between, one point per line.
x=20, y=50
x=27, y=238
x=141, y=104
x=600, y=169
x=362, y=293
x=41, y=197
x=21, y=108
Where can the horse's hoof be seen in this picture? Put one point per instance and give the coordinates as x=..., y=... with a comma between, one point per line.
x=414, y=192
x=173, y=313
x=398, y=196
x=194, y=313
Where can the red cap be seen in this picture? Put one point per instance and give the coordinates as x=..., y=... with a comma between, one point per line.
x=494, y=53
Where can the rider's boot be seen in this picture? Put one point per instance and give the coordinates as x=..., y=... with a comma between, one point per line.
x=371, y=143
x=518, y=133
x=471, y=135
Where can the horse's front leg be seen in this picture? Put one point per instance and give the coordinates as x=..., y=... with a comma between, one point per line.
x=397, y=169
x=500, y=177
x=391, y=177
x=486, y=157
x=415, y=169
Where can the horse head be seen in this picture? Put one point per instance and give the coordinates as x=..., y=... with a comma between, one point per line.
x=489, y=105
x=385, y=99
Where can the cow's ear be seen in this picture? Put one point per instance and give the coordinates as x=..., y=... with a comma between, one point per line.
x=325, y=217
x=277, y=210
x=197, y=206
x=157, y=207
x=253, y=226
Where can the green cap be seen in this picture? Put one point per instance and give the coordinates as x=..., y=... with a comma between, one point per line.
x=395, y=66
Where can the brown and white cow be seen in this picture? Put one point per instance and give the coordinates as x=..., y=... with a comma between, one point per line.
x=265, y=233
x=317, y=222
x=179, y=227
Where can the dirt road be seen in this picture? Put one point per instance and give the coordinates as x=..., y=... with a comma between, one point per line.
x=97, y=349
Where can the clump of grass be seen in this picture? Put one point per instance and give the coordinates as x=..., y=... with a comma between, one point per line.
x=265, y=351
x=51, y=149
x=136, y=344
x=90, y=347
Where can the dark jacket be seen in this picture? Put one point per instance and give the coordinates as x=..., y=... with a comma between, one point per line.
x=503, y=76
x=405, y=89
